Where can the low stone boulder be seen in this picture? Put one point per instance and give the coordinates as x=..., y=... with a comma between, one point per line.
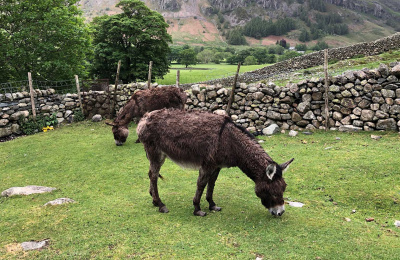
x=349, y=128
x=34, y=245
x=270, y=130
x=96, y=118
x=59, y=201
x=27, y=190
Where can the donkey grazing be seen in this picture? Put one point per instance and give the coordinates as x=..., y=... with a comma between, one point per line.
x=144, y=101
x=209, y=142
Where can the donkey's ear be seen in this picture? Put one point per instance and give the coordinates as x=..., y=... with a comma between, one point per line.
x=270, y=171
x=285, y=166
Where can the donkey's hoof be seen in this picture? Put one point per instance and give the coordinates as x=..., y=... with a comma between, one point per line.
x=215, y=208
x=199, y=213
x=163, y=209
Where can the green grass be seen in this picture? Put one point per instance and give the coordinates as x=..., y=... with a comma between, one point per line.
x=113, y=216
x=203, y=72
x=370, y=62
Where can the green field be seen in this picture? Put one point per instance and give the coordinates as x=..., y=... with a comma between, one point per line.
x=113, y=217
x=203, y=72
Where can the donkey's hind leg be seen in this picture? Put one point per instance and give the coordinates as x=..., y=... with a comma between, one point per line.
x=210, y=190
x=205, y=173
x=156, y=159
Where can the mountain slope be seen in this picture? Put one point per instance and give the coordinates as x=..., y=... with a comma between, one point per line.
x=205, y=22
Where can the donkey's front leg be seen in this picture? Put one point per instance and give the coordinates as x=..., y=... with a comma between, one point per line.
x=202, y=180
x=210, y=190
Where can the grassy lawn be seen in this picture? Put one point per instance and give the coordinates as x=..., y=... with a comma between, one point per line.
x=113, y=216
x=203, y=72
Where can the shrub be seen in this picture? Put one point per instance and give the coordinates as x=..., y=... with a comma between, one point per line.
x=78, y=116
x=31, y=126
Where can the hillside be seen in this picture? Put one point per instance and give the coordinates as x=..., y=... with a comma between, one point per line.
x=206, y=22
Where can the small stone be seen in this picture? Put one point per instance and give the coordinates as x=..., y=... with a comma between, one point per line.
x=293, y=133
x=369, y=219
x=59, y=201
x=376, y=137
x=308, y=133
x=397, y=223
x=337, y=138
x=353, y=211
x=96, y=118
x=347, y=219
x=295, y=204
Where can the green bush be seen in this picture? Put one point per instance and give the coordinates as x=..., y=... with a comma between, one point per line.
x=78, y=116
x=31, y=126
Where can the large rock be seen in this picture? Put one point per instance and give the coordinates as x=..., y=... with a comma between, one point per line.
x=34, y=245
x=270, y=130
x=396, y=70
x=27, y=190
x=386, y=124
x=349, y=128
x=367, y=115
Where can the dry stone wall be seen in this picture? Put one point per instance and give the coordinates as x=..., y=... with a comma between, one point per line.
x=358, y=100
x=13, y=106
x=313, y=59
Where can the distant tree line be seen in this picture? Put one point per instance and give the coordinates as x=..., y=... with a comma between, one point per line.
x=187, y=55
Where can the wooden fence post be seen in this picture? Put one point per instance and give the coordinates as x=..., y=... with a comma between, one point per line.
x=149, y=78
x=232, y=96
x=112, y=112
x=326, y=90
x=79, y=92
x=178, y=72
x=32, y=95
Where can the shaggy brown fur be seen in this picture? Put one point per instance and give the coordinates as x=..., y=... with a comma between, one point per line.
x=145, y=101
x=209, y=142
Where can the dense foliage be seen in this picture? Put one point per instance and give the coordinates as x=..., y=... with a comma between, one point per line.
x=258, y=27
x=136, y=37
x=47, y=38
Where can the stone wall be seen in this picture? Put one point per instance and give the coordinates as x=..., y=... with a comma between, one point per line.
x=16, y=105
x=358, y=100
x=313, y=59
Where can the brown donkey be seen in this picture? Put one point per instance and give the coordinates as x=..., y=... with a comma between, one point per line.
x=209, y=142
x=143, y=101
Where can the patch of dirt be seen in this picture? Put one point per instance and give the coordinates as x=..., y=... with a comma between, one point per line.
x=15, y=247
x=9, y=138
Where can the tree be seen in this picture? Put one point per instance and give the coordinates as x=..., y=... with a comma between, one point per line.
x=174, y=54
x=250, y=60
x=188, y=57
x=136, y=37
x=48, y=38
x=205, y=56
x=301, y=47
x=304, y=36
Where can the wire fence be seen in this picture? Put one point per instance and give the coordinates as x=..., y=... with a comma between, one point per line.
x=61, y=87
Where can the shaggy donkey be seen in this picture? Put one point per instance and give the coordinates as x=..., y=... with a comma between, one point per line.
x=209, y=142
x=143, y=101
